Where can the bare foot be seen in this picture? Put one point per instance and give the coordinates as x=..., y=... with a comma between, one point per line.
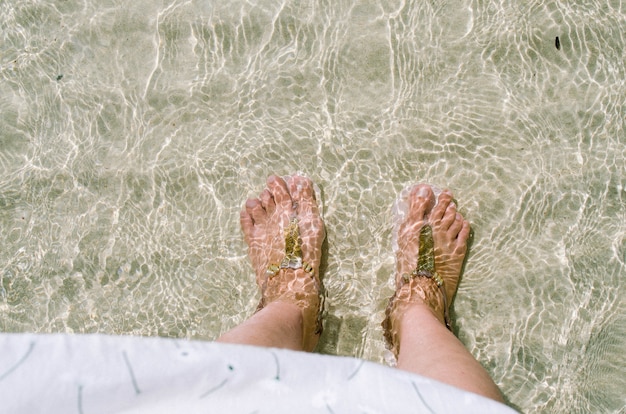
x=285, y=222
x=449, y=236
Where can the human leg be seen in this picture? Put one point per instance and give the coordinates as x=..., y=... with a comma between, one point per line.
x=416, y=317
x=283, y=222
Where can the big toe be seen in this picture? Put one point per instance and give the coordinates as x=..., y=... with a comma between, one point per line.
x=422, y=200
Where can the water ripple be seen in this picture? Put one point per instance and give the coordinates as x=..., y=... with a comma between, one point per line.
x=132, y=135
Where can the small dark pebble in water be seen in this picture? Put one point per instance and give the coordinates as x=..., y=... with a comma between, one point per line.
x=59, y=77
x=557, y=43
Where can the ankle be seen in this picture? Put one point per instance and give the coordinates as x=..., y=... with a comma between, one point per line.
x=419, y=310
x=299, y=291
x=415, y=299
x=423, y=292
x=295, y=286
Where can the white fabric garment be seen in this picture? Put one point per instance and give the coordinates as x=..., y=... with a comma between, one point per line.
x=84, y=374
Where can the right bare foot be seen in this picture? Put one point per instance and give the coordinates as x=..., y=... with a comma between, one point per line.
x=449, y=236
x=285, y=222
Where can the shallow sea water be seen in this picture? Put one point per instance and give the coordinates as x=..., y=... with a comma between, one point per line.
x=131, y=134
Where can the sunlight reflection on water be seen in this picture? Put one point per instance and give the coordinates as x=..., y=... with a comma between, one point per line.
x=132, y=135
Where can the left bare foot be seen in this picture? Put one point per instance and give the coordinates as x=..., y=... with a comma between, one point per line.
x=284, y=232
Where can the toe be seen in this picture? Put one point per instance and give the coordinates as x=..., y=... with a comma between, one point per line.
x=459, y=239
x=268, y=202
x=422, y=200
x=303, y=194
x=255, y=211
x=279, y=191
x=252, y=215
x=456, y=226
x=439, y=211
x=449, y=217
x=464, y=233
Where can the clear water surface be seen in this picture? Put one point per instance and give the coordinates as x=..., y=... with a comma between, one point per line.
x=131, y=133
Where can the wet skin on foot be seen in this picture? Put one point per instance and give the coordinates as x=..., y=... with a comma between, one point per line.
x=449, y=237
x=268, y=226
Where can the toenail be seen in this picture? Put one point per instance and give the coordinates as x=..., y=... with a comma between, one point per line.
x=422, y=192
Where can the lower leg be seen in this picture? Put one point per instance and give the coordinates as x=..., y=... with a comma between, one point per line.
x=428, y=348
x=278, y=325
x=430, y=249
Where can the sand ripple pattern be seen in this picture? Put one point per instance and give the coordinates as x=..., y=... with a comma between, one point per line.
x=131, y=134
